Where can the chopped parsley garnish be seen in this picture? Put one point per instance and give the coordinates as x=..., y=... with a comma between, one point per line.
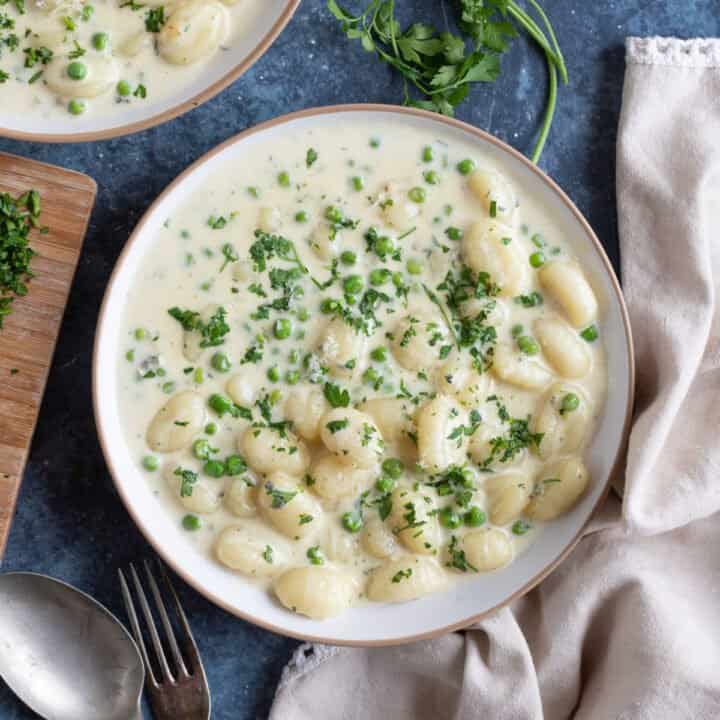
x=305, y=519
x=280, y=498
x=188, y=480
x=335, y=426
x=401, y=575
x=155, y=19
x=310, y=157
x=457, y=557
x=213, y=331
x=335, y=395
x=534, y=299
x=18, y=216
x=268, y=554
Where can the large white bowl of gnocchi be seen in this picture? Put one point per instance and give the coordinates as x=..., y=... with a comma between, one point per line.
x=362, y=374
x=88, y=69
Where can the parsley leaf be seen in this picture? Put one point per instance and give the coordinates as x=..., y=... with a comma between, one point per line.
x=335, y=395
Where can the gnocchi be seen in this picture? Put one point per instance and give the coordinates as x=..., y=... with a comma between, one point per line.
x=269, y=451
x=245, y=550
x=442, y=427
x=317, y=592
x=488, y=248
x=406, y=578
x=392, y=400
x=569, y=287
x=557, y=489
x=177, y=422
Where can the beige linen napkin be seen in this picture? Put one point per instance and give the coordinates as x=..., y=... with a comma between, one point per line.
x=628, y=627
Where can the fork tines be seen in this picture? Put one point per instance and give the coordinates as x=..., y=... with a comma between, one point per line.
x=186, y=664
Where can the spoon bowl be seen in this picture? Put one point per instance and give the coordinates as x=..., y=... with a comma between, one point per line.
x=63, y=654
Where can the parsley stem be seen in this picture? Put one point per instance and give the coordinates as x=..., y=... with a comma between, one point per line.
x=434, y=299
x=549, y=113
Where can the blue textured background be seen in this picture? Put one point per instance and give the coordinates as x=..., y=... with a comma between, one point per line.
x=69, y=522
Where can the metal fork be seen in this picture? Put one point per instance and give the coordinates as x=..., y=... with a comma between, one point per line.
x=182, y=693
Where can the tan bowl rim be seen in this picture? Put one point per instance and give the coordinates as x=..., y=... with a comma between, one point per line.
x=617, y=465
x=171, y=113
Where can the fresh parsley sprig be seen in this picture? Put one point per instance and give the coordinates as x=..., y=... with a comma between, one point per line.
x=441, y=66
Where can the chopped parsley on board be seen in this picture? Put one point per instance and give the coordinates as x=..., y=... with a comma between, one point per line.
x=18, y=216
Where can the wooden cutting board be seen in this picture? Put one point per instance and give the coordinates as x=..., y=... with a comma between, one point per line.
x=27, y=339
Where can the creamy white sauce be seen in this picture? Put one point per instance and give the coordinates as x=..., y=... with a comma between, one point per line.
x=187, y=269
x=131, y=65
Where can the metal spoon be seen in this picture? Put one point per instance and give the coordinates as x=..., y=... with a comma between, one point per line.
x=65, y=655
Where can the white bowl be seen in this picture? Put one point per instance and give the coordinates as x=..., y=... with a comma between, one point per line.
x=371, y=624
x=221, y=70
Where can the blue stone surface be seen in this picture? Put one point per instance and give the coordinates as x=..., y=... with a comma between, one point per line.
x=70, y=522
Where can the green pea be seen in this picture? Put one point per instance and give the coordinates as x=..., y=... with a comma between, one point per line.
x=150, y=463
x=214, y=468
x=202, y=450
x=123, y=88
x=221, y=362
x=520, y=527
x=302, y=314
x=315, y=555
x=283, y=179
x=140, y=334
x=538, y=240
x=352, y=522
x=168, y=388
x=293, y=356
x=569, y=403
x=517, y=330
x=379, y=354
x=273, y=374
x=358, y=183
x=449, y=518
x=384, y=246
x=385, y=484
x=301, y=216
x=371, y=376
x=414, y=267
x=191, y=523
x=468, y=480
x=292, y=377
x=87, y=12
x=417, y=194
x=398, y=279
x=348, y=257
x=100, y=40
x=590, y=333
x=454, y=233
x=160, y=372
x=379, y=276
x=353, y=284
x=466, y=166
x=427, y=154
x=528, y=345
x=282, y=329
x=431, y=177
x=211, y=428
x=537, y=259
x=393, y=467
x=328, y=306
x=234, y=465
x=199, y=376
x=220, y=404
x=130, y=355
x=77, y=70
x=474, y=517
